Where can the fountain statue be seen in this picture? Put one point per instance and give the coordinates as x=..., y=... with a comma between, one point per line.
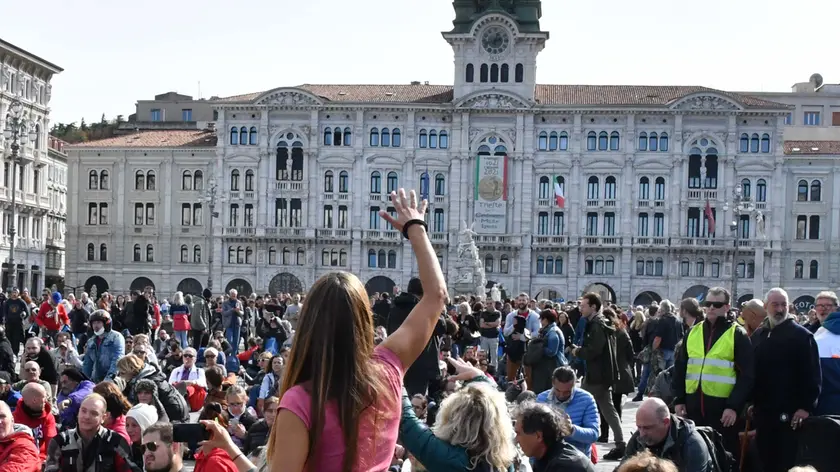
x=495, y=293
x=469, y=278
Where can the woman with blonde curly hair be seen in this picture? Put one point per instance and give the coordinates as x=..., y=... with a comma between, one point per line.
x=473, y=429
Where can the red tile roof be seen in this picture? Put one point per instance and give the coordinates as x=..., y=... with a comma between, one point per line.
x=812, y=147
x=154, y=139
x=563, y=95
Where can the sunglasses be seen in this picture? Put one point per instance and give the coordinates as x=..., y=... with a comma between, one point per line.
x=187, y=355
x=150, y=446
x=714, y=304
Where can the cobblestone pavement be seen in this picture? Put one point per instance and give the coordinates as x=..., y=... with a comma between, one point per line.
x=628, y=427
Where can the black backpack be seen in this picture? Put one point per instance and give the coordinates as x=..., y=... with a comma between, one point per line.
x=724, y=461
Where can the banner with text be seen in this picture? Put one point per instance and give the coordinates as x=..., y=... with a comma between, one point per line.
x=491, y=181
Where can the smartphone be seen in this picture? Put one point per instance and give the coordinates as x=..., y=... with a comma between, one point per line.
x=189, y=433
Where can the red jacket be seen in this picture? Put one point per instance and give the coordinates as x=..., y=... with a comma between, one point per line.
x=246, y=356
x=18, y=452
x=43, y=427
x=118, y=426
x=51, y=322
x=217, y=461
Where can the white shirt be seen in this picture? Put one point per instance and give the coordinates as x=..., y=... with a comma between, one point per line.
x=196, y=374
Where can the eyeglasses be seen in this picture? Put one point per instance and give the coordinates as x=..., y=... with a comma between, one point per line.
x=187, y=355
x=150, y=446
x=825, y=305
x=714, y=304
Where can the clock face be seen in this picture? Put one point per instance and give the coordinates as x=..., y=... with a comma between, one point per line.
x=495, y=40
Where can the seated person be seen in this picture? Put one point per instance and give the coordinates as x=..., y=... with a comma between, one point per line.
x=189, y=380
x=216, y=388
x=240, y=417
x=257, y=435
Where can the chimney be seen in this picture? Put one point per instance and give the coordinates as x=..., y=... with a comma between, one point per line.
x=415, y=82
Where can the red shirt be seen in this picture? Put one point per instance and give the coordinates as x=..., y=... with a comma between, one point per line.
x=217, y=461
x=43, y=427
x=50, y=321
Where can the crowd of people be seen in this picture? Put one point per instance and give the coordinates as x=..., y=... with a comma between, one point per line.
x=342, y=380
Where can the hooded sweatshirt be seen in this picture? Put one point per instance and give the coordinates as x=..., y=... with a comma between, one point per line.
x=68, y=415
x=42, y=425
x=18, y=452
x=52, y=318
x=828, y=344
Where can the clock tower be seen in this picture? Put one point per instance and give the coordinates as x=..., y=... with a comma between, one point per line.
x=496, y=43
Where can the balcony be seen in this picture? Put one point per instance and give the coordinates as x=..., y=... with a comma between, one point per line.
x=328, y=233
x=250, y=195
x=659, y=203
x=285, y=232
x=610, y=203
x=699, y=242
x=650, y=241
x=551, y=241
x=377, y=235
x=343, y=197
x=290, y=186
x=592, y=203
x=329, y=196
x=601, y=241
x=234, y=195
x=440, y=237
x=377, y=197
x=439, y=199
x=697, y=194
x=240, y=231
x=643, y=204
x=544, y=202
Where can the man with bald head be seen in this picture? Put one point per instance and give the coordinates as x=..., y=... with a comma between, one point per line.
x=90, y=446
x=17, y=448
x=30, y=372
x=33, y=410
x=668, y=437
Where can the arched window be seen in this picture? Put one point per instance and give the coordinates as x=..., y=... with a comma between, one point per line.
x=440, y=185
x=564, y=141
x=484, y=73
x=504, y=264
x=396, y=138
x=348, y=136
x=765, y=143
x=137, y=253
x=103, y=252
x=91, y=252
x=609, y=265
x=371, y=258
x=444, y=140
x=249, y=255
x=272, y=256
x=814, y=270
x=488, y=264
x=249, y=180
x=540, y=265
x=643, y=140
x=591, y=141
x=644, y=188
x=658, y=266
x=520, y=73
x=287, y=256
x=139, y=180
x=297, y=161
x=382, y=259
x=802, y=191
x=328, y=135
x=761, y=190
x=552, y=141
x=609, y=188
x=746, y=189
x=328, y=181
x=93, y=180
x=433, y=139
x=198, y=180
x=243, y=136
x=544, y=188
x=234, y=135
x=700, y=268
x=549, y=265
x=653, y=142
x=342, y=258
x=685, y=265
x=343, y=182
x=150, y=253
x=186, y=180
x=614, y=141
x=754, y=143
x=386, y=137
x=469, y=75
x=374, y=137
x=744, y=143
x=337, y=136
x=185, y=253
x=505, y=76
x=197, y=254
x=253, y=136
x=798, y=269
x=599, y=265
x=392, y=259
x=741, y=269
x=663, y=142
x=592, y=188
x=231, y=255
x=423, y=138
x=375, y=182
x=494, y=73
x=816, y=191
x=602, y=141
x=150, y=180
x=325, y=257
x=542, y=141
x=234, y=180
x=558, y=265
x=392, y=182
x=589, y=266
x=103, y=180
x=300, y=257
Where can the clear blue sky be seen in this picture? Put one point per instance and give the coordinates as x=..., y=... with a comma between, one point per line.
x=115, y=53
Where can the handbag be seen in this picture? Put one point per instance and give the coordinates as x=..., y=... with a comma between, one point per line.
x=534, y=351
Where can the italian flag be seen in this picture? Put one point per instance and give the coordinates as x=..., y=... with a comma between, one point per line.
x=558, y=194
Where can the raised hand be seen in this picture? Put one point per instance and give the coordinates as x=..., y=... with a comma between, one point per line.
x=407, y=207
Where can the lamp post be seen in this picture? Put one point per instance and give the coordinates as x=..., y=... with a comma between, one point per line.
x=16, y=133
x=211, y=197
x=741, y=205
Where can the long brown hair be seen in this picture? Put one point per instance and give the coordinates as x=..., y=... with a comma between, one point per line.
x=330, y=358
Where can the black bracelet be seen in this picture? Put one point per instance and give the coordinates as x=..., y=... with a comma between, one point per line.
x=408, y=224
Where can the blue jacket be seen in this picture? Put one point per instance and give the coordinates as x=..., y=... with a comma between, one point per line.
x=828, y=344
x=582, y=410
x=555, y=345
x=100, y=360
x=12, y=399
x=229, y=318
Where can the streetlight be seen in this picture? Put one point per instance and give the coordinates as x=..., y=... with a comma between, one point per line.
x=16, y=131
x=741, y=205
x=211, y=197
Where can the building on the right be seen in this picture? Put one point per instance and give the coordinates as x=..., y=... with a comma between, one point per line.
x=811, y=251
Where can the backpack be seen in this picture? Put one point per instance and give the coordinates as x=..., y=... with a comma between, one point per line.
x=722, y=459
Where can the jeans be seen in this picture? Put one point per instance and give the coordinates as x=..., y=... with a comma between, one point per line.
x=181, y=336
x=669, y=358
x=645, y=376
x=232, y=336
x=491, y=345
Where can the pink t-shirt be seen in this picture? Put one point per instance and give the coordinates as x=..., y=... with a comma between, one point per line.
x=377, y=435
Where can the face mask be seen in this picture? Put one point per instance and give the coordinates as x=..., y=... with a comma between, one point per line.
x=99, y=331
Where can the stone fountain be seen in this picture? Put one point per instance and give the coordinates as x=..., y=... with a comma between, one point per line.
x=469, y=270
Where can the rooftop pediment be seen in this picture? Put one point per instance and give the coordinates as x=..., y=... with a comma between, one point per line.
x=288, y=97
x=494, y=100
x=706, y=101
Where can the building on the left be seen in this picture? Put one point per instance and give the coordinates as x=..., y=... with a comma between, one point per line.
x=41, y=185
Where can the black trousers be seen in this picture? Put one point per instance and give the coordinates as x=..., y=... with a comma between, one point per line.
x=14, y=333
x=777, y=443
x=711, y=418
x=199, y=338
x=605, y=427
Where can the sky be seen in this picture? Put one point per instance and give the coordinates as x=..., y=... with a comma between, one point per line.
x=115, y=53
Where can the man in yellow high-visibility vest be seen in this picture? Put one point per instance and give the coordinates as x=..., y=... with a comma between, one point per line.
x=714, y=370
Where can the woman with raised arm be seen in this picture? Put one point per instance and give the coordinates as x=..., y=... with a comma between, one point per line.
x=340, y=398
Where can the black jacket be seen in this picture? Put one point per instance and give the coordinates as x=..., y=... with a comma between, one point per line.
x=426, y=366
x=626, y=363
x=381, y=310
x=257, y=436
x=7, y=357
x=563, y=457
x=79, y=320
x=599, y=352
x=683, y=446
x=49, y=371
x=744, y=366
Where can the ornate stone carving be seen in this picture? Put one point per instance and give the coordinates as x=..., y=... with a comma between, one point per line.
x=307, y=130
x=707, y=102
x=289, y=99
x=470, y=277
x=511, y=134
x=474, y=132
x=5, y=78
x=493, y=101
